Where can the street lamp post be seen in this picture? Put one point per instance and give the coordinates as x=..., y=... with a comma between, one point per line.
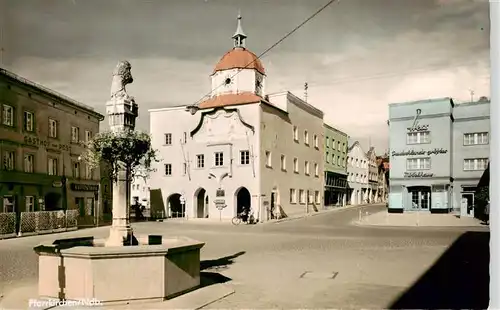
x=183, y=205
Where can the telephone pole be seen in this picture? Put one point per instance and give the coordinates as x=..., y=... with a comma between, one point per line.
x=471, y=91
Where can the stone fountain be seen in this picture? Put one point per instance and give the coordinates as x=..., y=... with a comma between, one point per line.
x=123, y=267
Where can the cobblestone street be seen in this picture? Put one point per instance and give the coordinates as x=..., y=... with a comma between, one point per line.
x=315, y=262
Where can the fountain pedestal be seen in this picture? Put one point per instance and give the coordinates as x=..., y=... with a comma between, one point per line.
x=120, y=274
x=120, y=232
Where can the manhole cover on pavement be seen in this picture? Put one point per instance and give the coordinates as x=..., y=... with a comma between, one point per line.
x=319, y=275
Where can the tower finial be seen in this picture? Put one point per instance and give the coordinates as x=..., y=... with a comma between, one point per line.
x=239, y=36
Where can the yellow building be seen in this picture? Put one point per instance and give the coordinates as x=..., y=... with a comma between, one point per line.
x=40, y=146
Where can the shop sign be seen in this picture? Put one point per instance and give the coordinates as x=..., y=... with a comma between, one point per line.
x=57, y=184
x=220, y=193
x=419, y=174
x=435, y=151
x=220, y=204
x=416, y=127
x=35, y=141
x=84, y=187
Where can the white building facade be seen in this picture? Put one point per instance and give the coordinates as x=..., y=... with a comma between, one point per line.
x=372, y=195
x=240, y=148
x=357, y=175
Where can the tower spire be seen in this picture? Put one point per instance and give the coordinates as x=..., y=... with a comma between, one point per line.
x=239, y=36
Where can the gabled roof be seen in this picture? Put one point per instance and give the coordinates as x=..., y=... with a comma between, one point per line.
x=357, y=144
x=371, y=152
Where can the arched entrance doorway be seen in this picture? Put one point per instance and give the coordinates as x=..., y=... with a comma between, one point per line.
x=201, y=201
x=174, y=205
x=52, y=202
x=243, y=199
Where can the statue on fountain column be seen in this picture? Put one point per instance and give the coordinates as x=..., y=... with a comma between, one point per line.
x=122, y=76
x=121, y=109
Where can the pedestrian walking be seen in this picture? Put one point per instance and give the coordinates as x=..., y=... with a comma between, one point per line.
x=487, y=213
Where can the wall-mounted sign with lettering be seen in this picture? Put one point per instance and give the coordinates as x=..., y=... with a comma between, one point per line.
x=418, y=174
x=57, y=184
x=84, y=187
x=35, y=141
x=435, y=151
x=418, y=128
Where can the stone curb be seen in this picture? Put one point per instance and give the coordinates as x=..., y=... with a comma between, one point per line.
x=336, y=209
x=363, y=223
x=357, y=223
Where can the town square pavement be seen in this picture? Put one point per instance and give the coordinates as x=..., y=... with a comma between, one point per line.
x=321, y=261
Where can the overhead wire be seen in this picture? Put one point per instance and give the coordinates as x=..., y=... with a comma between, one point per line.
x=270, y=48
x=352, y=79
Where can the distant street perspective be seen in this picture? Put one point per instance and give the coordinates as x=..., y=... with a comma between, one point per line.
x=323, y=261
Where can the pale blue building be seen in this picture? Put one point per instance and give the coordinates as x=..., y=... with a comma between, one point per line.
x=438, y=152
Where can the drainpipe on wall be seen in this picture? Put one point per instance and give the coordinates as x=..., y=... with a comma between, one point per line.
x=261, y=214
x=307, y=201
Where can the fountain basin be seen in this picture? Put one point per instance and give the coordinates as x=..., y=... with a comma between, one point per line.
x=84, y=268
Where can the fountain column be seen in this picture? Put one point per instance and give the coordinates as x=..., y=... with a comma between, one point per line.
x=122, y=112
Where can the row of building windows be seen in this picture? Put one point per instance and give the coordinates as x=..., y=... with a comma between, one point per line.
x=75, y=135
x=245, y=160
x=283, y=164
x=137, y=187
x=9, y=204
x=336, y=144
x=339, y=161
x=168, y=138
x=477, y=138
x=424, y=163
x=306, y=137
x=302, y=196
x=9, y=164
x=8, y=117
x=362, y=178
x=356, y=162
x=357, y=178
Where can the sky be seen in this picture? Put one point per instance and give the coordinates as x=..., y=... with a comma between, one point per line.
x=357, y=55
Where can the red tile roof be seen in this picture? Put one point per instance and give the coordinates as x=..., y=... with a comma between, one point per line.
x=239, y=58
x=229, y=100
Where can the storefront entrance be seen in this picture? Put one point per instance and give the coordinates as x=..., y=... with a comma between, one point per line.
x=467, y=202
x=420, y=197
